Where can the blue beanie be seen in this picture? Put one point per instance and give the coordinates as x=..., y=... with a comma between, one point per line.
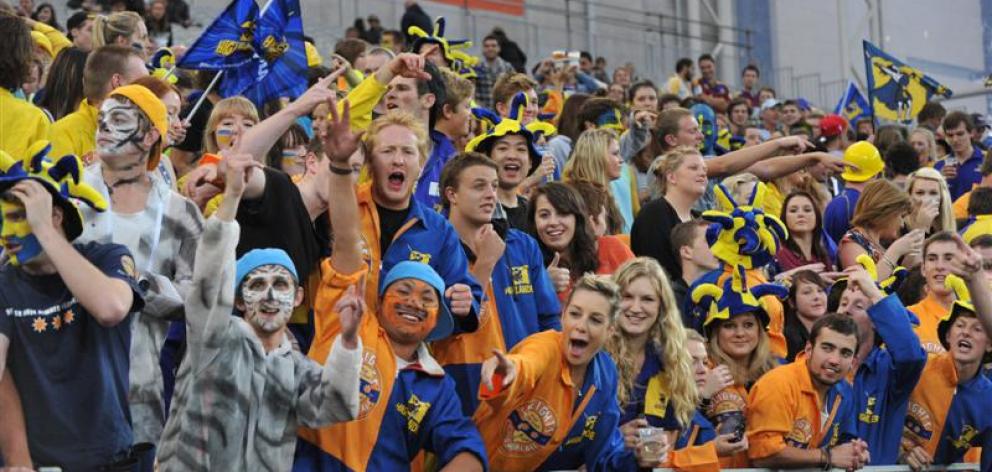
x=418, y=270
x=259, y=257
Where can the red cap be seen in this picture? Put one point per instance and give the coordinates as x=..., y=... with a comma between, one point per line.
x=832, y=125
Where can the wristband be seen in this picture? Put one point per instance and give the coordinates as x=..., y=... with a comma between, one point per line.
x=209, y=158
x=825, y=451
x=341, y=170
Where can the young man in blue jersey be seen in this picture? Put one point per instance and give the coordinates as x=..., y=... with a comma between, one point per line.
x=520, y=299
x=65, y=329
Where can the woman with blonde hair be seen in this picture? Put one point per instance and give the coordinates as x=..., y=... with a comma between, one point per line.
x=931, y=202
x=925, y=144
x=596, y=158
x=681, y=178
x=125, y=28
x=875, y=229
x=649, y=348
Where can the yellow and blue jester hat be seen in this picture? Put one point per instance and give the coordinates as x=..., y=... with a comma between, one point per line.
x=713, y=302
x=463, y=64
x=63, y=178
x=497, y=127
x=961, y=306
x=743, y=235
x=163, y=61
x=448, y=46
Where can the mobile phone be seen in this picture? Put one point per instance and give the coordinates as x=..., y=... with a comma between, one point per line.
x=731, y=423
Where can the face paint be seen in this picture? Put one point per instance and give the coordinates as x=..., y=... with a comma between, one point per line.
x=15, y=235
x=121, y=128
x=409, y=310
x=224, y=137
x=269, y=295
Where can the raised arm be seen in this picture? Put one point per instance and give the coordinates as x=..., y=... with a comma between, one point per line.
x=339, y=144
x=967, y=264
x=261, y=137
x=107, y=299
x=209, y=306
x=776, y=167
x=737, y=161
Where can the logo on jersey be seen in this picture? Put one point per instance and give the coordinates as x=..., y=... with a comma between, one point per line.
x=521, y=281
x=369, y=384
x=869, y=416
x=656, y=398
x=801, y=434
x=933, y=348
x=964, y=440
x=127, y=265
x=919, y=425
x=367, y=254
x=727, y=401
x=421, y=257
x=529, y=428
x=414, y=411
x=588, y=431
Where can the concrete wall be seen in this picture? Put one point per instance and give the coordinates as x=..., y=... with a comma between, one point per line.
x=820, y=43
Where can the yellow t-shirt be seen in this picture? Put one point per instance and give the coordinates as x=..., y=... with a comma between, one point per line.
x=21, y=124
x=75, y=133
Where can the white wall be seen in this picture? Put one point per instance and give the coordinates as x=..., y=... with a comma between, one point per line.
x=808, y=37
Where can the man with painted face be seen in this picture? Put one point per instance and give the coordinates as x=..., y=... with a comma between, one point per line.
x=107, y=68
x=520, y=298
x=159, y=226
x=406, y=401
x=243, y=391
x=887, y=364
x=65, y=322
x=801, y=415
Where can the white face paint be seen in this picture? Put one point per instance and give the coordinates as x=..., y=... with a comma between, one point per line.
x=121, y=129
x=269, y=296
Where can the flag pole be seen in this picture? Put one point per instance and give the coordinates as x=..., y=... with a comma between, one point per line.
x=203, y=97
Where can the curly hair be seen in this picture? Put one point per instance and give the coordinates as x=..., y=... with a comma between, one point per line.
x=667, y=335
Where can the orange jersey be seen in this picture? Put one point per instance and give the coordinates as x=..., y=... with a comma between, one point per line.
x=544, y=420
x=929, y=311
x=784, y=410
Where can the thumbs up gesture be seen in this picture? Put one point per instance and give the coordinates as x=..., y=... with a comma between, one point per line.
x=560, y=277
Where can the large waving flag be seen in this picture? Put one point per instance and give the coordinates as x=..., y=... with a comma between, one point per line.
x=282, y=70
x=896, y=91
x=853, y=105
x=227, y=42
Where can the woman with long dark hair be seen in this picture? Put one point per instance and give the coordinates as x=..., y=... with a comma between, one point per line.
x=559, y=221
x=805, y=244
x=64, y=85
x=45, y=13
x=807, y=303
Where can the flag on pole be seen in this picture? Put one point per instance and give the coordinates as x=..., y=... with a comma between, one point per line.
x=227, y=42
x=282, y=70
x=896, y=91
x=853, y=105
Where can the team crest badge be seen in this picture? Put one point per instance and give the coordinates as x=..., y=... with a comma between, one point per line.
x=801, y=434
x=370, y=384
x=127, y=265
x=529, y=428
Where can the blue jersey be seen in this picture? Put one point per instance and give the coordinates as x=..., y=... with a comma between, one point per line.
x=520, y=301
x=71, y=372
x=428, y=191
x=886, y=378
x=837, y=216
x=968, y=174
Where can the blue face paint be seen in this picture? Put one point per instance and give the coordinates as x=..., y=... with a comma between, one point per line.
x=16, y=233
x=706, y=118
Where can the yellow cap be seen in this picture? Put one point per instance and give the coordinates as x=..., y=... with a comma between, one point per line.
x=153, y=108
x=868, y=160
x=41, y=40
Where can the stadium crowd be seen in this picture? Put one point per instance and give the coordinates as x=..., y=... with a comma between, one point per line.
x=430, y=261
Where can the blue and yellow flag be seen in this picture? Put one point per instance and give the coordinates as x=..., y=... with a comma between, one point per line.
x=282, y=70
x=227, y=42
x=897, y=92
x=853, y=105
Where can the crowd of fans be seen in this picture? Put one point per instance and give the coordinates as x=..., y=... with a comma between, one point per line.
x=434, y=261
